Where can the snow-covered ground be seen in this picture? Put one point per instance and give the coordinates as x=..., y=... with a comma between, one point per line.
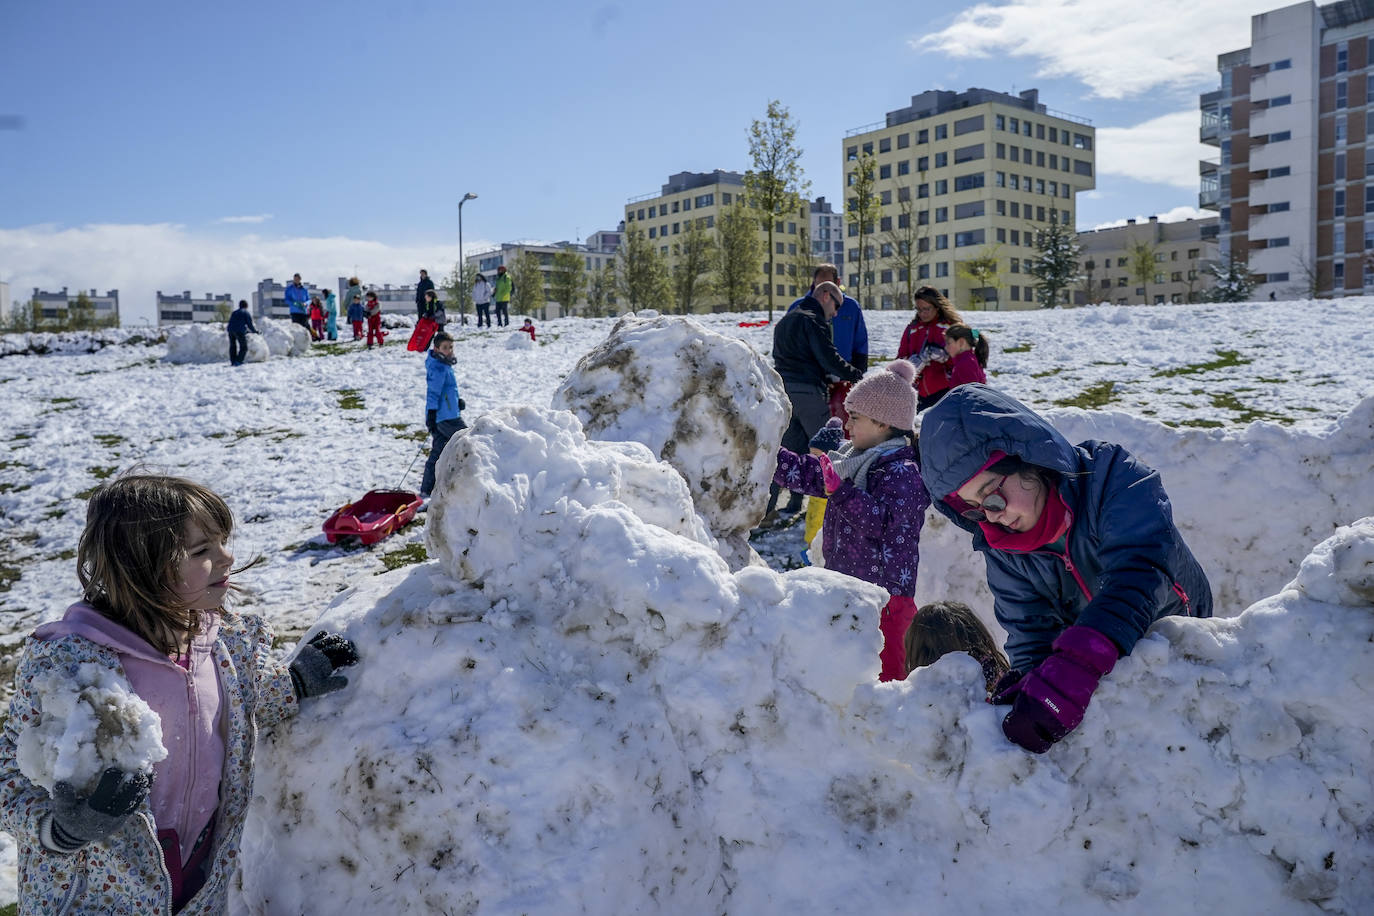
x=624, y=723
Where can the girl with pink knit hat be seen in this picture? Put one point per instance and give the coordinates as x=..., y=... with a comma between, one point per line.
x=875, y=498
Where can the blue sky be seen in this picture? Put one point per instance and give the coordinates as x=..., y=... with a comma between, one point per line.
x=184, y=145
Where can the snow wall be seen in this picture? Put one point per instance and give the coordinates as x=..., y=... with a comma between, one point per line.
x=707, y=404
x=580, y=708
x=209, y=343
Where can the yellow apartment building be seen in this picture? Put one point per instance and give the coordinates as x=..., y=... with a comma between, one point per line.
x=960, y=175
x=1182, y=251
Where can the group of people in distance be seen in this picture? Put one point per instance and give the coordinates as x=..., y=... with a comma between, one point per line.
x=1082, y=552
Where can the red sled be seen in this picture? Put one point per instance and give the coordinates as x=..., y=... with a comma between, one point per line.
x=378, y=514
x=424, y=330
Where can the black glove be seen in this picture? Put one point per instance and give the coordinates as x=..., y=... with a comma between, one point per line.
x=79, y=819
x=313, y=670
x=462, y=404
x=432, y=422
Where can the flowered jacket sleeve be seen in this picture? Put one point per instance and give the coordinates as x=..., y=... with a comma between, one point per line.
x=891, y=513
x=799, y=473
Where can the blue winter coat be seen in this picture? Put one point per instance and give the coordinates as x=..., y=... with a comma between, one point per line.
x=296, y=298
x=441, y=389
x=240, y=322
x=1122, y=541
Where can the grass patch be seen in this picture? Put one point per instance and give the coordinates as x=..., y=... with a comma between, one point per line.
x=62, y=400
x=1225, y=359
x=1091, y=398
x=87, y=493
x=1047, y=373
x=8, y=576
x=330, y=348
x=1023, y=347
x=64, y=555
x=1270, y=381
x=13, y=487
x=102, y=473
x=350, y=399
x=109, y=440
x=1227, y=400
x=18, y=437
x=405, y=556
x=54, y=513
x=406, y=431
x=12, y=464
x=278, y=434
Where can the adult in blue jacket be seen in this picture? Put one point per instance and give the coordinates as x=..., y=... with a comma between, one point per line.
x=443, y=406
x=240, y=326
x=847, y=327
x=1081, y=548
x=298, y=301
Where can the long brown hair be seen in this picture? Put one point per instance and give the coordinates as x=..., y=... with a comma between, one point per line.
x=133, y=542
x=944, y=312
x=942, y=627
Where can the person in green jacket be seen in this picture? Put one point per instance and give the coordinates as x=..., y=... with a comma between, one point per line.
x=504, y=289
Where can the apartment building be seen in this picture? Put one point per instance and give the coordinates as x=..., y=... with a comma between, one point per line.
x=5, y=305
x=269, y=299
x=701, y=197
x=1291, y=120
x=1181, y=251
x=827, y=233
x=55, y=308
x=959, y=176
x=600, y=249
x=186, y=309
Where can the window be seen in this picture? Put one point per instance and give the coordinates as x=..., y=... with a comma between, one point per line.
x=1016, y=154
x=923, y=137
x=885, y=145
x=1343, y=57
x=904, y=193
x=868, y=147
x=1039, y=186
x=1081, y=141
x=941, y=242
x=1014, y=126
x=1016, y=210
x=1279, y=171
x=999, y=179
x=885, y=198
x=1001, y=211
x=1016, y=294
x=1016, y=237
x=1338, y=238
x=1340, y=131
x=652, y=213
x=968, y=153
x=968, y=125
x=964, y=239
x=1054, y=189
x=941, y=160
x=941, y=131
x=1001, y=151
x=969, y=210
x=1039, y=214
x=1054, y=161
x=1338, y=273
x=1016, y=182
x=1338, y=203
x=941, y=214
x=1039, y=131
x=686, y=205
x=1284, y=64
x=904, y=167
x=884, y=171
x=1279, y=277
x=1025, y=128
x=1280, y=206
x=903, y=141
x=885, y=276
x=675, y=228
x=851, y=153
x=653, y=232
x=1040, y=159
x=942, y=186
x=903, y=220
x=1342, y=93
x=1278, y=100
x=1280, y=241
x=1082, y=167
x=725, y=198
x=1176, y=277
x=968, y=182
x=942, y=269
x=999, y=122
x=923, y=163
x=705, y=200
x=923, y=190
x=675, y=206
x=1001, y=235
x=923, y=218
x=1015, y=266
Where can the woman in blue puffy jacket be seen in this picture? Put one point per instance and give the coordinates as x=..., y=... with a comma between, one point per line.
x=1081, y=548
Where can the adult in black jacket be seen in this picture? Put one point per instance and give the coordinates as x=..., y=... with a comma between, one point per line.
x=804, y=355
x=425, y=285
x=240, y=326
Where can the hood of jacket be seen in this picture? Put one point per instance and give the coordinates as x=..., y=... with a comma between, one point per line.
x=969, y=424
x=83, y=620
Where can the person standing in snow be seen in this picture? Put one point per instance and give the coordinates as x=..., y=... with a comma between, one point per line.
x=481, y=297
x=804, y=355
x=968, y=355
x=331, y=315
x=1081, y=548
x=923, y=342
x=424, y=285
x=353, y=306
x=373, y=312
x=240, y=326
x=434, y=309
x=297, y=302
x=155, y=569
x=875, y=498
x=316, y=319
x=443, y=406
x=502, y=291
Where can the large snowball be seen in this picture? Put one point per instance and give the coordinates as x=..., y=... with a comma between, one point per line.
x=208, y=343
x=707, y=404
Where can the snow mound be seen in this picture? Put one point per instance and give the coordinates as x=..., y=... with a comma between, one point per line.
x=519, y=340
x=208, y=343
x=1249, y=502
x=580, y=709
x=91, y=721
x=64, y=342
x=707, y=404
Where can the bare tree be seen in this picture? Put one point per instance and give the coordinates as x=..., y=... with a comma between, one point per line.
x=863, y=210
x=775, y=185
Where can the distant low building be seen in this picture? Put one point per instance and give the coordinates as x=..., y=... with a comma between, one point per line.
x=269, y=300
x=1181, y=252
x=4, y=301
x=601, y=248
x=54, y=309
x=186, y=309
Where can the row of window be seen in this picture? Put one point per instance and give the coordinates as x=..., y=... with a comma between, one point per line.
x=1174, y=277
x=1021, y=127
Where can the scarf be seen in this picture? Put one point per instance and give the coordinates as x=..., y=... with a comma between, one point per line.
x=1053, y=522
x=853, y=464
x=447, y=360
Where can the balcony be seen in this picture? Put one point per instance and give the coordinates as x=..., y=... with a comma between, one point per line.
x=1214, y=126
x=1208, y=167
x=1209, y=199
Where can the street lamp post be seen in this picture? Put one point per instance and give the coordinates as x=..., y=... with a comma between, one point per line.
x=462, y=266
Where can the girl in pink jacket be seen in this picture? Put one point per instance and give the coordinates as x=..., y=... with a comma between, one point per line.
x=968, y=355
x=155, y=568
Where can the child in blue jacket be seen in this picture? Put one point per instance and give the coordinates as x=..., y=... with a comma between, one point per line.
x=443, y=406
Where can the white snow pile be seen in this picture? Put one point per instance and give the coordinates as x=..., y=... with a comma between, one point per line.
x=208, y=343
x=707, y=404
x=1249, y=502
x=91, y=721
x=58, y=342
x=519, y=340
x=580, y=709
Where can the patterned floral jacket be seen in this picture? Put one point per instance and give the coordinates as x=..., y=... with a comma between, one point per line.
x=124, y=875
x=871, y=534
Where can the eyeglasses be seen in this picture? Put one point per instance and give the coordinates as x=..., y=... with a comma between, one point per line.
x=996, y=501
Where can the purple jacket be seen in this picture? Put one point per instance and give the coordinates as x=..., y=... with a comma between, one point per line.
x=873, y=535
x=190, y=703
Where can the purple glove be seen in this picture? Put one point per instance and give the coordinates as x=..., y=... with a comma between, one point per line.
x=1050, y=702
x=1004, y=692
x=829, y=436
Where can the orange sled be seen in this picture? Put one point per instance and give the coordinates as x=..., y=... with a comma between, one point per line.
x=378, y=514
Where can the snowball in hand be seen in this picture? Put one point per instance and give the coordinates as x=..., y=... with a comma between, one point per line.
x=90, y=721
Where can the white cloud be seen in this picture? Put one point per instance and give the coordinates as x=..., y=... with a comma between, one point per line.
x=255, y=218
x=139, y=260
x=1164, y=150
x=1117, y=48
x=1176, y=215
